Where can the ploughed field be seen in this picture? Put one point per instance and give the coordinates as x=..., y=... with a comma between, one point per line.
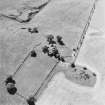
x=39, y=44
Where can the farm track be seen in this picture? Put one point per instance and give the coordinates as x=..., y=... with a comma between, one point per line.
x=80, y=43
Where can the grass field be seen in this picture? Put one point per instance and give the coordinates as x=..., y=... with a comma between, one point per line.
x=66, y=19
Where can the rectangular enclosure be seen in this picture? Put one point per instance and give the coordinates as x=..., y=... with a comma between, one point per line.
x=33, y=73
